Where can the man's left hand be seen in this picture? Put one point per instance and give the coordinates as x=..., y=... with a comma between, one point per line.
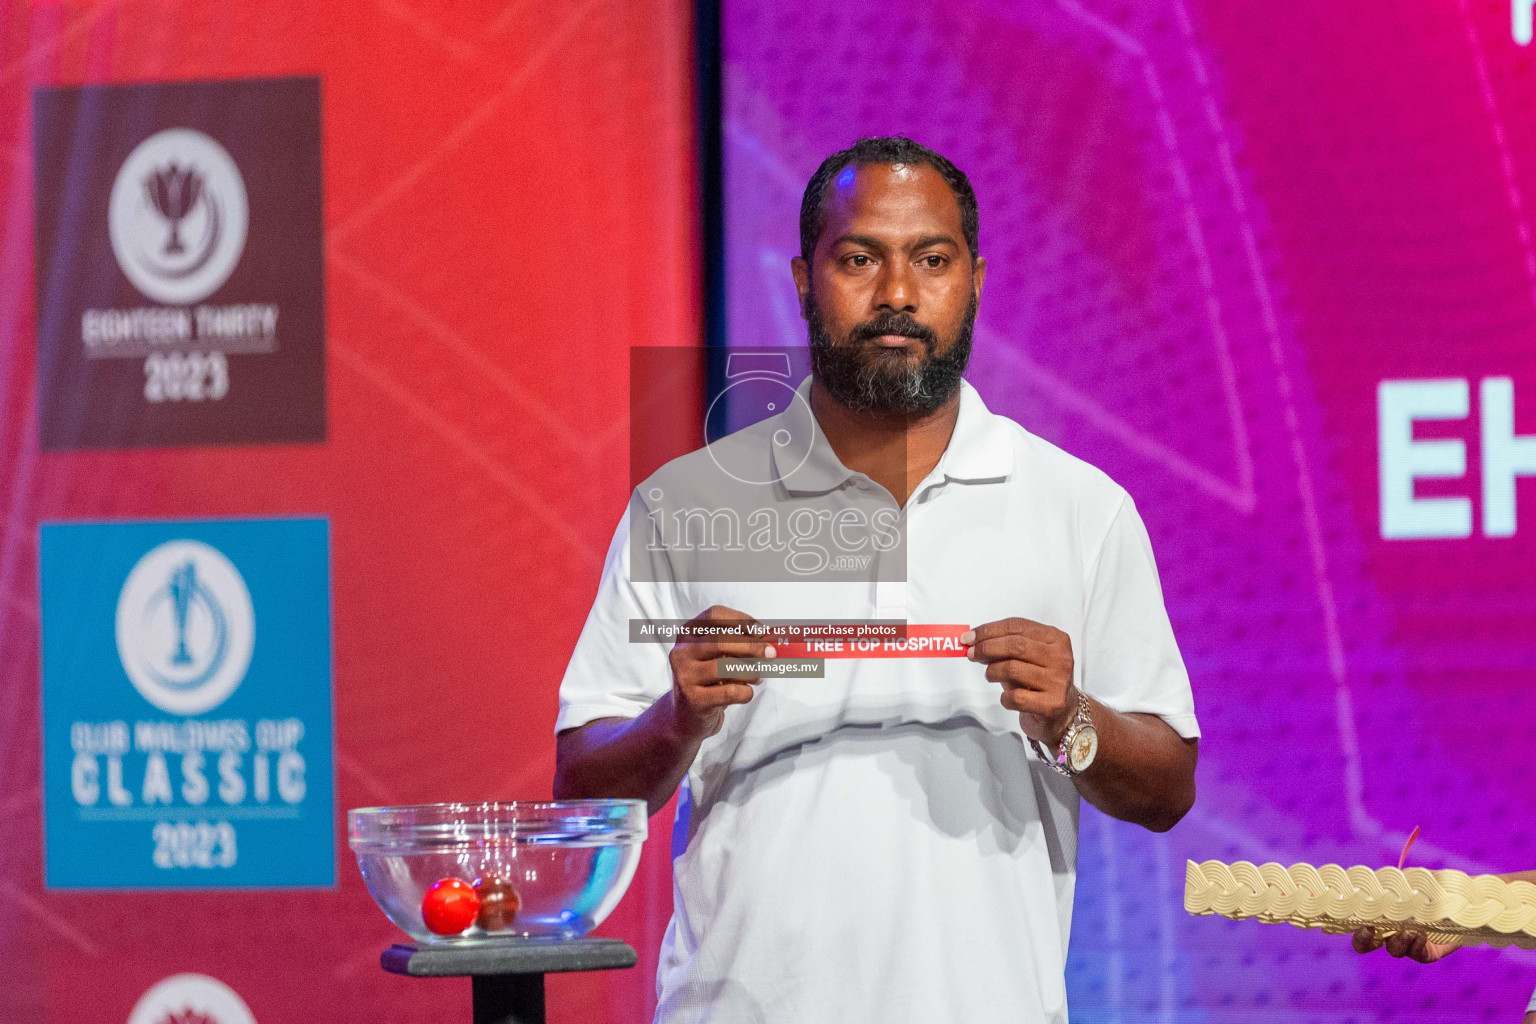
x=1033, y=662
x=1414, y=945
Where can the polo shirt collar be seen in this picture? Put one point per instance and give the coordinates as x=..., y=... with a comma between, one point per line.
x=980, y=449
x=821, y=470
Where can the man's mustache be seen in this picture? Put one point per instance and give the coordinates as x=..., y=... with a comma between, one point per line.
x=898, y=324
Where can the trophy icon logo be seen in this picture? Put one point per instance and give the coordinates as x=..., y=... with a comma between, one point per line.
x=184, y=587
x=178, y=216
x=185, y=627
x=187, y=1016
x=174, y=191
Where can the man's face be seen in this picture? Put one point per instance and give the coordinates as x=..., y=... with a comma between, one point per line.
x=890, y=293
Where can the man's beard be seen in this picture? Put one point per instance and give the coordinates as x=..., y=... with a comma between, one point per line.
x=867, y=378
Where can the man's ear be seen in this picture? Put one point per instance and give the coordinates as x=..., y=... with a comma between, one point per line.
x=802, y=274
x=979, y=273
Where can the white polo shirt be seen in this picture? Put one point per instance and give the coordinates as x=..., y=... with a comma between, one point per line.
x=880, y=844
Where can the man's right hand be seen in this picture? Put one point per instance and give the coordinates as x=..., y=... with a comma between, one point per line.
x=699, y=695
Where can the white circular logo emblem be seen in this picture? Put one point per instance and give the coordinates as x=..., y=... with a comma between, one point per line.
x=191, y=999
x=185, y=627
x=759, y=387
x=178, y=216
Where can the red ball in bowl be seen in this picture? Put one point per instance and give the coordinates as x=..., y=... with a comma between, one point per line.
x=450, y=906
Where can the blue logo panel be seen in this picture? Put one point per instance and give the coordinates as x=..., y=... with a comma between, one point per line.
x=187, y=704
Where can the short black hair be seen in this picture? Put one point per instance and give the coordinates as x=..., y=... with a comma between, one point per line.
x=891, y=149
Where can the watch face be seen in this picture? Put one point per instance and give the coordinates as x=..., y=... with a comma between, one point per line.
x=1085, y=746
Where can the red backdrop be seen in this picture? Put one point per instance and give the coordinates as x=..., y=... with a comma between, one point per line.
x=508, y=208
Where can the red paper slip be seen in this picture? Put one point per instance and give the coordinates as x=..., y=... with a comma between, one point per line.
x=921, y=641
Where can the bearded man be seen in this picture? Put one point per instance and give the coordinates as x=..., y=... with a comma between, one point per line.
x=896, y=840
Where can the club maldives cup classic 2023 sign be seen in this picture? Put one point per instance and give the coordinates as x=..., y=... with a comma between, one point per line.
x=187, y=704
x=179, y=264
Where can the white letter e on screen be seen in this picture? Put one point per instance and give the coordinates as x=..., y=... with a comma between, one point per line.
x=1403, y=460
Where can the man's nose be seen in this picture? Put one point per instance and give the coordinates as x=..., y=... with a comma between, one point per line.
x=894, y=289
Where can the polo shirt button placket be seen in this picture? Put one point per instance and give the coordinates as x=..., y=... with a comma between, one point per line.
x=890, y=595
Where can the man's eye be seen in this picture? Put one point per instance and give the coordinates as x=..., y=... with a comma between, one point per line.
x=859, y=260
x=933, y=262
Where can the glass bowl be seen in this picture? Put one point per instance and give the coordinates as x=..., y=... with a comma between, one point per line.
x=568, y=862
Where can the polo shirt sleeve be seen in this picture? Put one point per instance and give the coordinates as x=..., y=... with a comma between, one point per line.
x=1130, y=660
x=609, y=677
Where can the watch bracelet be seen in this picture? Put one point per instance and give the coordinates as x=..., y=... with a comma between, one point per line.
x=1062, y=763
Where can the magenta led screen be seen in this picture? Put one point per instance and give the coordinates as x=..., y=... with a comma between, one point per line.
x=1272, y=268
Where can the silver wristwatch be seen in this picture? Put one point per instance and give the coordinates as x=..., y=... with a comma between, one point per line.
x=1078, y=747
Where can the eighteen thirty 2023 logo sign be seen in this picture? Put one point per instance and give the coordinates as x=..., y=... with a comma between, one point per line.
x=187, y=704
x=179, y=270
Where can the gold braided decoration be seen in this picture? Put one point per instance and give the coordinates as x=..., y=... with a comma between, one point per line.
x=1452, y=906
